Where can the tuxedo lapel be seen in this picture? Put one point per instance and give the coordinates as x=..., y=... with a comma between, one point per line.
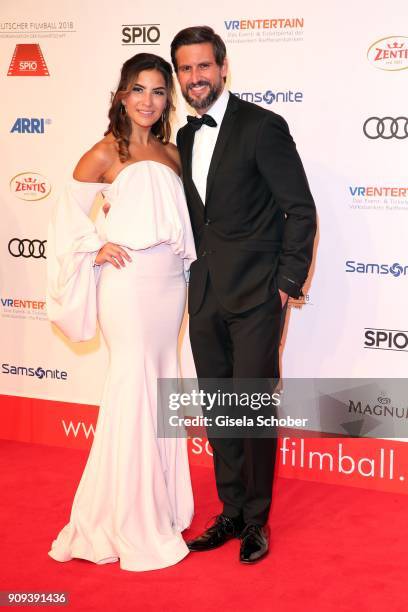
x=225, y=130
x=188, y=165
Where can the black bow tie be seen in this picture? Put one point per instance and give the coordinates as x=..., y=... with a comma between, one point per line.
x=197, y=122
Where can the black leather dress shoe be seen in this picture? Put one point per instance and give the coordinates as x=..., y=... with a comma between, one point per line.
x=223, y=529
x=254, y=543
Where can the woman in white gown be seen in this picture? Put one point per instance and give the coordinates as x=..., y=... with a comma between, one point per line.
x=134, y=497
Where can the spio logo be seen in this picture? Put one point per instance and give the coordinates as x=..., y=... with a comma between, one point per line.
x=389, y=53
x=18, y=247
x=385, y=339
x=394, y=269
x=386, y=128
x=28, y=60
x=24, y=125
x=30, y=186
x=141, y=34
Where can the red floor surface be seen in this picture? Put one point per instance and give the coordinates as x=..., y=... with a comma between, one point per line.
x=332, y=548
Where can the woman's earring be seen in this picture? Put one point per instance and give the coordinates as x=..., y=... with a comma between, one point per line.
x=123, y=109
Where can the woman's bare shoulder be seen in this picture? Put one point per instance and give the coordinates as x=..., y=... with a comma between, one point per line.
x=173, y=153
x=96, y=162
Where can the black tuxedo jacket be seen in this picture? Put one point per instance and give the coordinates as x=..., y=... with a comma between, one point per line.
x=255, y=231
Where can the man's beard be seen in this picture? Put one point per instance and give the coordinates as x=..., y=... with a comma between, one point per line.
x=209, y=99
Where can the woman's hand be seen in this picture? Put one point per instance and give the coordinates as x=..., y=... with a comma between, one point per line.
x=113, y=254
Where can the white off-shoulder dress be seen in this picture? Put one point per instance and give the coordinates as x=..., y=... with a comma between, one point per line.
x=135, y=496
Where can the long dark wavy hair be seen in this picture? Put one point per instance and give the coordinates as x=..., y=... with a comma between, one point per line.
x=119, y=123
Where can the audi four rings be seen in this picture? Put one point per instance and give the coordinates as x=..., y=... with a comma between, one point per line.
x=27, y=248
x=386, y=128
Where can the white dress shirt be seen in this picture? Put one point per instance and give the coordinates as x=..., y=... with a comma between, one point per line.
x=204, y=144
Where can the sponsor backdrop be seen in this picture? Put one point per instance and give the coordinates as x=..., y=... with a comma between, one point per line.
x=338, y=76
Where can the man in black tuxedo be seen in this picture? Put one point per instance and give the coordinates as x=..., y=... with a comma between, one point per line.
x=254, y=222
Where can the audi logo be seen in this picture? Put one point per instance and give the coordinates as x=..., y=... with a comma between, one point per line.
x=27, y=248
x=386, y=128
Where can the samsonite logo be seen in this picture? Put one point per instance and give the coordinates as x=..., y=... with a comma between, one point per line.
x=389, y=53
x=396, y=269
x=28, y=60
x=32, y=125
x=30, y=186
x=38, y=372
x=270, y=97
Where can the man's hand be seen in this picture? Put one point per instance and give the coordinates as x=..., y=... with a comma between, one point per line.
x=283, y=296
x=112, y=253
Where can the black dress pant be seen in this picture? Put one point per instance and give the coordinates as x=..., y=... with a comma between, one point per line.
x=245, y=345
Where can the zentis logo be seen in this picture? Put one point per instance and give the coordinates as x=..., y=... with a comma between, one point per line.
x=389, y=53
x=28, y=60
x=30, y=186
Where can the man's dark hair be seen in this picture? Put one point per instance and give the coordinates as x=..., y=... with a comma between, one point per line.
x=196, y=35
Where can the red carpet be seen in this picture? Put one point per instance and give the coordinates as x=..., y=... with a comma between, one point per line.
x=332, y=548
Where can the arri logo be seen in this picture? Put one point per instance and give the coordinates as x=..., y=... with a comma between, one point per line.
x=390, y=53
x=269, y=97
x=30, y=186
x=386, y=339
x=25, y=125
x=394, y=269
x=141, y=34
x=28, y=60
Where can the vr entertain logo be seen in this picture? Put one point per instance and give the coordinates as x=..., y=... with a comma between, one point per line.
x=378, y=197
x=18, y=303
x=28, y=60
x=24, y=125
x=379, y=192
x=141, y=34
x=269, y=97
x=23, y=309
x=30, y=186
x=281, y=30
x=390, y=53
x=386, y=339
x=394, y=269
x=264, y=24
x=39, y=372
